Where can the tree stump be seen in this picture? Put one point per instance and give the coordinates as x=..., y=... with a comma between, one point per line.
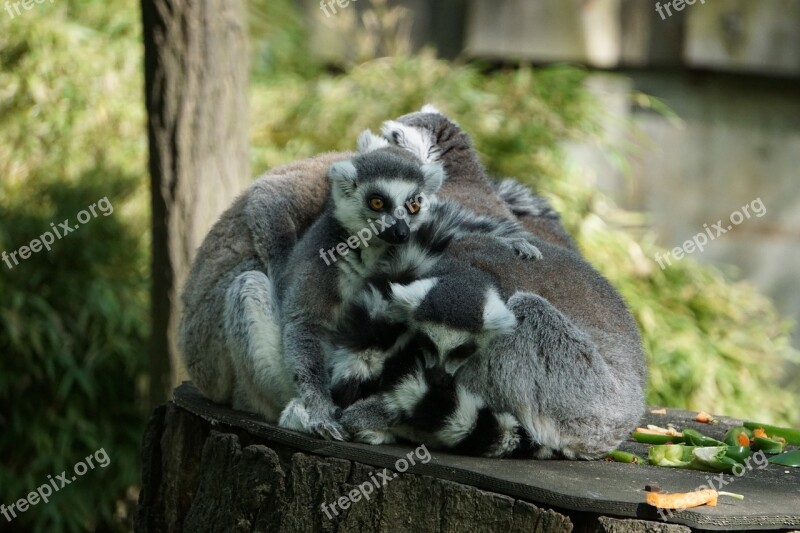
x=209, y=468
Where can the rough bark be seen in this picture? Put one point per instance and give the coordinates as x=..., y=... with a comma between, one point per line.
x=196, y=73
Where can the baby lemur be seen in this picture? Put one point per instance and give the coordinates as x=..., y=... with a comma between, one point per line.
x=572, y=372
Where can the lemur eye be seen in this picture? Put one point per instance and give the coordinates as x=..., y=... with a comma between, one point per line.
x=413, y=207
x=376, y=203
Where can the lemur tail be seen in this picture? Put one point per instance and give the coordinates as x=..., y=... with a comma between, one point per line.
x=459, y=420
x=521, y=200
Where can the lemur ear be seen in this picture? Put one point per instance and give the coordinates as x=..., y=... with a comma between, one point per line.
x=434, y=175
x=409, y=296
x=343, y=175
x=430, y=108
x=418, y=141
x=369, y=142
x=497, y=317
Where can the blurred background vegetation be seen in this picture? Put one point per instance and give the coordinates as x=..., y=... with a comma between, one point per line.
x=74, y=321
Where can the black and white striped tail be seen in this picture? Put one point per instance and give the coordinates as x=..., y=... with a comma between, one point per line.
x=432, y=403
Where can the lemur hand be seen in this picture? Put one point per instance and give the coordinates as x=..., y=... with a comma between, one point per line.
x=524, y=249
x=317, y=419
x=368, y=420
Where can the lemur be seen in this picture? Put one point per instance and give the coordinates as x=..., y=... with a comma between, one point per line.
x=381, y=182
x=572, y=372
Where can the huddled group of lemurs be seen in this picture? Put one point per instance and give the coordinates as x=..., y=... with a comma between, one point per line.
x=399, y=292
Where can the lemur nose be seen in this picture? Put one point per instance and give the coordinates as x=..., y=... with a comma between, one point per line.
x=402, y=234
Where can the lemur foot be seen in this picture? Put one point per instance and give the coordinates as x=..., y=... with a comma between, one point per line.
x=368, y=420
x=525, y=249
x=374, y=437
x=317, y=421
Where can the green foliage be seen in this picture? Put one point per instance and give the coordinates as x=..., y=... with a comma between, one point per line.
x=73, y=321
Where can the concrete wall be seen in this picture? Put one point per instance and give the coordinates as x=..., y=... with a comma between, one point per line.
x=735, y=140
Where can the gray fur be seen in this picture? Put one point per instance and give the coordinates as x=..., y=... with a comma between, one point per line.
x=253, y=237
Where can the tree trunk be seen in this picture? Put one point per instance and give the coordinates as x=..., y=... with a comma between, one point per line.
x=196, y=76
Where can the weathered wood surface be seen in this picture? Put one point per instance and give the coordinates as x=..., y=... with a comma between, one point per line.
x=206, y=465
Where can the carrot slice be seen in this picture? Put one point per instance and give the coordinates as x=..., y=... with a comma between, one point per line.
x=743, y=440
x=682, y=500
x=703, y=417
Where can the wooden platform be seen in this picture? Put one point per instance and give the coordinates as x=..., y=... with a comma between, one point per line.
x=772, y=494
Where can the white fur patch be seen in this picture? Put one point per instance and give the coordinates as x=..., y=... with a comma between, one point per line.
x=496, y=316
x=417, y=141
x=411, y=296
x=361, y=365
x=434, y=177
x=430, y=108
x=463, y=420
x=295, y=416
x=369, y=142
x=413, y=257
x=408, y=393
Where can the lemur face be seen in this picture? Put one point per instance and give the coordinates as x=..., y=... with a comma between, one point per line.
x=384, y=193
x=459, y=319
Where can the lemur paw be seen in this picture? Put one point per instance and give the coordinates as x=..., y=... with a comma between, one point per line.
x=525, y=249
x=374, y=437
x=316, y=421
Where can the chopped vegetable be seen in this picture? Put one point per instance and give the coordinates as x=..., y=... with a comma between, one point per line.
x=672, y=455
x=768, y=445
x=792, y=436
x=738, y=436
x=624, y=457
x=657, y=435
x=760, y=433
x=705, y=418
x=706, y=458
x=685, y=500
x=695, y=438
x=661, y=411
x=787, y=459
x=719, y=458
x=682, y=500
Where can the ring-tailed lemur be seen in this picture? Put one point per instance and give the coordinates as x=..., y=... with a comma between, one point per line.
x=572, y=372
x=382, y=180
x=379, y=193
